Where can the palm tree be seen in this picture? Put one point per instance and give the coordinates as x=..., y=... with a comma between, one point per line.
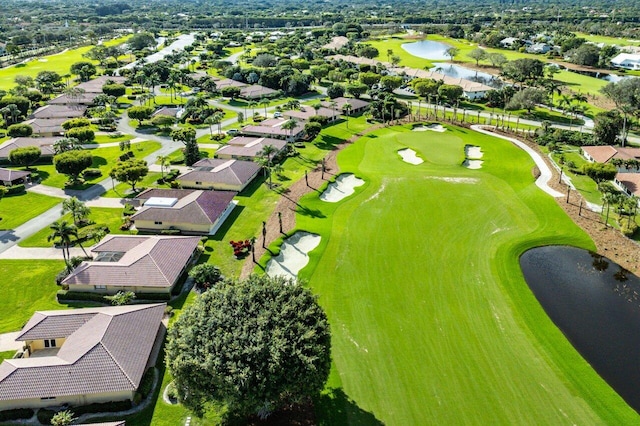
x=215, y=118
x=265, y=103
x=164, y=163
x=290, y=125
x=316, y=106
x=346, y=109
x=77, y=208
x=266, y=155
x=252, y=104
x=64, y=231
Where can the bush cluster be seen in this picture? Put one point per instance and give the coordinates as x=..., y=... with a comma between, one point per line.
x=568, y=137
x=16, y=414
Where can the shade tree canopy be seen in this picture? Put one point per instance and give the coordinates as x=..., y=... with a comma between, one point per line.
x=261, y=343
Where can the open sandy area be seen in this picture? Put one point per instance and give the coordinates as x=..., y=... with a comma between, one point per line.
x=472, y=152
x=343, y=187
x=409, y=156
x=472, y=164
x=432, y=127
x=293, y=255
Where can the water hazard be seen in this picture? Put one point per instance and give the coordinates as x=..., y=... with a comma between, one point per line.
x=427, y=49
x=596, y=304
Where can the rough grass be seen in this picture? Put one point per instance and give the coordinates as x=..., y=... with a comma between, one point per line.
x=18, y=209
x=27, y=286
x=431, y=319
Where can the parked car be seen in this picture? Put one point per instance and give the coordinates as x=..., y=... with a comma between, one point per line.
x=232, y=132
x=277, y=114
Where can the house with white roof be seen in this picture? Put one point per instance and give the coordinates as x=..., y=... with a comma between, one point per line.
x=627, y=61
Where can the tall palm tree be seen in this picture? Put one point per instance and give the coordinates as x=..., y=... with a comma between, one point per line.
x=346, y=109
x=164, y=163
x=77, y=208
x=265, y=103
x=252, y=104
x=290, y=125
x=63, y=231
x=316, y=106
x=266, y=155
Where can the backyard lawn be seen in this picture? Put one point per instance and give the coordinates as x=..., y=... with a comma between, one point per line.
x=18, y=209
x=432, y=322
x=103, y=159
x=27, y=286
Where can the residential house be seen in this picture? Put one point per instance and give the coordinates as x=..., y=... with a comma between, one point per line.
x=82, y=356
x=249, y=148
x=627, y=61
x=509, y=42
x=95, y=85
x=629, y=183
x=227, y=82
x=168, y=111
x=337, y=43
x=305, y=113
x=138, y=263
x=255, y=91
x=45, y=145
x=272, y=128
x=220, y=174
x=358, y=106
x=10, y=177
x=186, y=210
x=539, y=48
x=79, y=99
x=59, y=111
x=608, y=154
x=47, y=127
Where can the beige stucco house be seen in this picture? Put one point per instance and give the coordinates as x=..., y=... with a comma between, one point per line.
x=220, y=174
x=187, y=210
x=138, y=263
x=82, y=356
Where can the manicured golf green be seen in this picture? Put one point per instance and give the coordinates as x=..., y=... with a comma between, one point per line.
x=431, y=319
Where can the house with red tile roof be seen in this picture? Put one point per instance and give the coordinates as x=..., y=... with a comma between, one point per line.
x=608, y=153
x=249, y=148
x=82, y=356
x=137, y=263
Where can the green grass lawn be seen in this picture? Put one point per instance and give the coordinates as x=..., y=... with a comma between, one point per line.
x=111, y=217
x=6, y=355
x=18, y=209
x=103, y=159
x=112, y=138
x=432, y=322
x=27, y=286
x=620, y=41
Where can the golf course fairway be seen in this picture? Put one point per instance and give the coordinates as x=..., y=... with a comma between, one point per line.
x=432, y=321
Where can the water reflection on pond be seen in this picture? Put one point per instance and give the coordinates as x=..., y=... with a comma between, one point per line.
x=596, y=304
x=427, y=49
x=457, y=71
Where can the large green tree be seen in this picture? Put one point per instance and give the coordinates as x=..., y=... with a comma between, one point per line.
x=140, y=113
x=25, y=156
x=130, y=171
x=607, y=127
x=252, y=345
x=72, y=163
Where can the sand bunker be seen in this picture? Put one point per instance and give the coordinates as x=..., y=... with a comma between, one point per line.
x=409, y=156
x=293, y=255
x=472, y=164
x=433, y=127
x=340, y=189
x=472, y=152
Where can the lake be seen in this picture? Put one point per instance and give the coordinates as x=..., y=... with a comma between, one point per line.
x=427, y=49
x=457, y=71
x=596, y=304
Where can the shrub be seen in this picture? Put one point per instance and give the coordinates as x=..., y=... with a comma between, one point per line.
x=83, y=134
x=171, y=232
x=91, y=173
x=16, y=189
x=16, y=414
x=174, y=184
x=177, y=160
x=19, y=130
x=89, y=231
x=129, y=210
x=599, y=172
x=218, y=137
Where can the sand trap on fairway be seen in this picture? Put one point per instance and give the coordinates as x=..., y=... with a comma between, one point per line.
x=472, y=164
x=472, y=152
x=409, y=156
x=293, y=255
x=433, y=127
x=340, y=189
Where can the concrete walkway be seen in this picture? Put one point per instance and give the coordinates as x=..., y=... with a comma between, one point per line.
x=545, y=171
x=46, y=253
x=8, y=342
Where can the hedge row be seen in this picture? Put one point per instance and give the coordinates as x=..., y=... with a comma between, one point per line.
x=15, y=189
x=64, y=296
x=45, y=415
x=16, y=414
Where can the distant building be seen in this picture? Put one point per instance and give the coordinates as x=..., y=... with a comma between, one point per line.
x=627, y=61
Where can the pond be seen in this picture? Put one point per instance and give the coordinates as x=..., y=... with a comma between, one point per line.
x=596, y=304
x=427, y=49
x=457, y=71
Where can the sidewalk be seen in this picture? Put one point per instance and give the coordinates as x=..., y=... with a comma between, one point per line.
x=8, y=342
x=48, y=253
